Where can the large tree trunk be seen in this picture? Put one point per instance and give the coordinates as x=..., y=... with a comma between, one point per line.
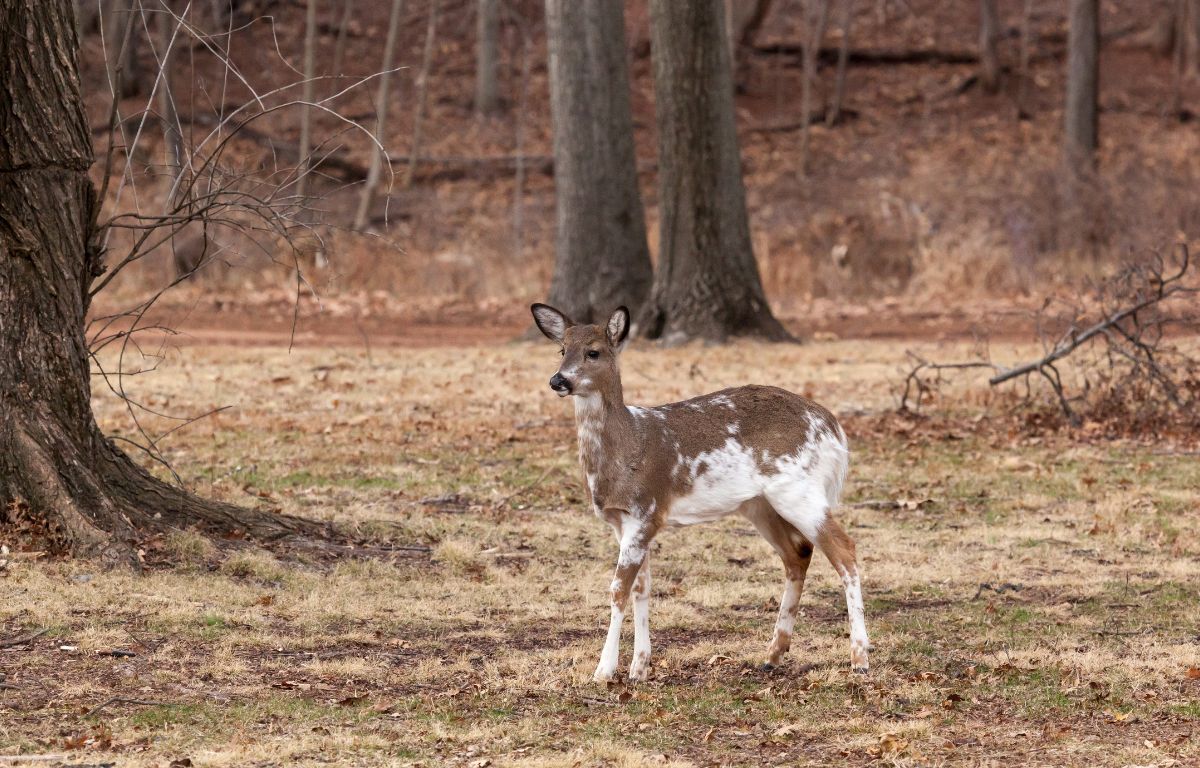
x=707, y=285
x=487, y=61
x=55, y=460
x=602, y=259
x=1081, y=126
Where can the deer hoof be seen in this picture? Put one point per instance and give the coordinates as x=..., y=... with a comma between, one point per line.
x=768, y=666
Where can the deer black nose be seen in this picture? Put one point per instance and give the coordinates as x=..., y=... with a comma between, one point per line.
x=560, y=384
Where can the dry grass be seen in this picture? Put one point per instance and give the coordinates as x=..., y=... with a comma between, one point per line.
x=482, y=649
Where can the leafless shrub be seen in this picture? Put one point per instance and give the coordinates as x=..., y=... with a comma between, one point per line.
x=210, y=198
x=1131, y=346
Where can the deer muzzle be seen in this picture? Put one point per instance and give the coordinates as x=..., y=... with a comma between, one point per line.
x=560, y=384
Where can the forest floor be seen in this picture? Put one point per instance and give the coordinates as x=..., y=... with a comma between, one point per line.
x=1031, y=596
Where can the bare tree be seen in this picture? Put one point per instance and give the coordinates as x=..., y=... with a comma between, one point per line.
x=310, y=72
x=601, y=257
x=422, y=92
x=1025, y=78
x=989, y=36
x=121, y=33
x=56, y=463
x=1081, y=121
x=487, y=34
x=744, y=18
x=382, y=102
x=339, y=48
x=707, y=284
x=817, y=15
x=846, y=20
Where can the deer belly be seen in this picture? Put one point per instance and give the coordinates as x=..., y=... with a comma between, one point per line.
x=712, y=498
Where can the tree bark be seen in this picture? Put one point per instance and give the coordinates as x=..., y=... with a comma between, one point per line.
x=56, y=461
x=487, y=34
x=989, y=35
x=1081, y=125
x=382, y=99
x=707, y=285
x=602, y=260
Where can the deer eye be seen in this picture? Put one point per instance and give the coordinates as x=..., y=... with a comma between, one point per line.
x=562, y=352
x=593, y=353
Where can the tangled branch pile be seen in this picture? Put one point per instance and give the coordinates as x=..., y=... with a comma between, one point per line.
x=1126, y=353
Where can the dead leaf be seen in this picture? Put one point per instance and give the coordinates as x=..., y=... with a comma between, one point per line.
x=1192, y=673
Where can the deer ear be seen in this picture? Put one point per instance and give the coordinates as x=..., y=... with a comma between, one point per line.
x=618, y=326
x=550, y=321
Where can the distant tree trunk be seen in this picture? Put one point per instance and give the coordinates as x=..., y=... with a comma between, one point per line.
x=815, y=21
x=602, y=260
x=1024, y=111
x=989, y=35
x=55, y=462
x=121, y=22
x=422, y=92
x=187, y=253
x=168, y=114
x=487, y=34
x=743, y=20
x=707, y=285
x=310, y=71
x=839, y=86
x=382, y=100
x=339, y=49
x=1083, y=83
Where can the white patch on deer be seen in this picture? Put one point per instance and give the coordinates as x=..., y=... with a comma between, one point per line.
x=589, y=418
x=730, y=479
x=807, y=484
x=732, y=428
x=802, y=486
x=637, y=411
x=722, y=401
x=632, y=526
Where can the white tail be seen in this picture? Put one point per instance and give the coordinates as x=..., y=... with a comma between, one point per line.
x=773, y=456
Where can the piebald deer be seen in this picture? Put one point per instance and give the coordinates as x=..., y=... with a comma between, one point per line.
x=772, y=456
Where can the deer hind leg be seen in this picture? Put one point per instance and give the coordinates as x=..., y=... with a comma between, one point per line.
x=796, y=553
x=839, y=548
x=634, y=534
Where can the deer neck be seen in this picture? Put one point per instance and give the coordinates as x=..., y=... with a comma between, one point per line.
x=603, y=423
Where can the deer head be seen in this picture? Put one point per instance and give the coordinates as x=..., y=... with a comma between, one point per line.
x=589, y=352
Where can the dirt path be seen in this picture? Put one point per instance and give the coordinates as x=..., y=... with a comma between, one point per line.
x=273, y=325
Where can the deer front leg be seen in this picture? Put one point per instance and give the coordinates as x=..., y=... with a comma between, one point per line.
x=635, y=535
x=639, y=668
